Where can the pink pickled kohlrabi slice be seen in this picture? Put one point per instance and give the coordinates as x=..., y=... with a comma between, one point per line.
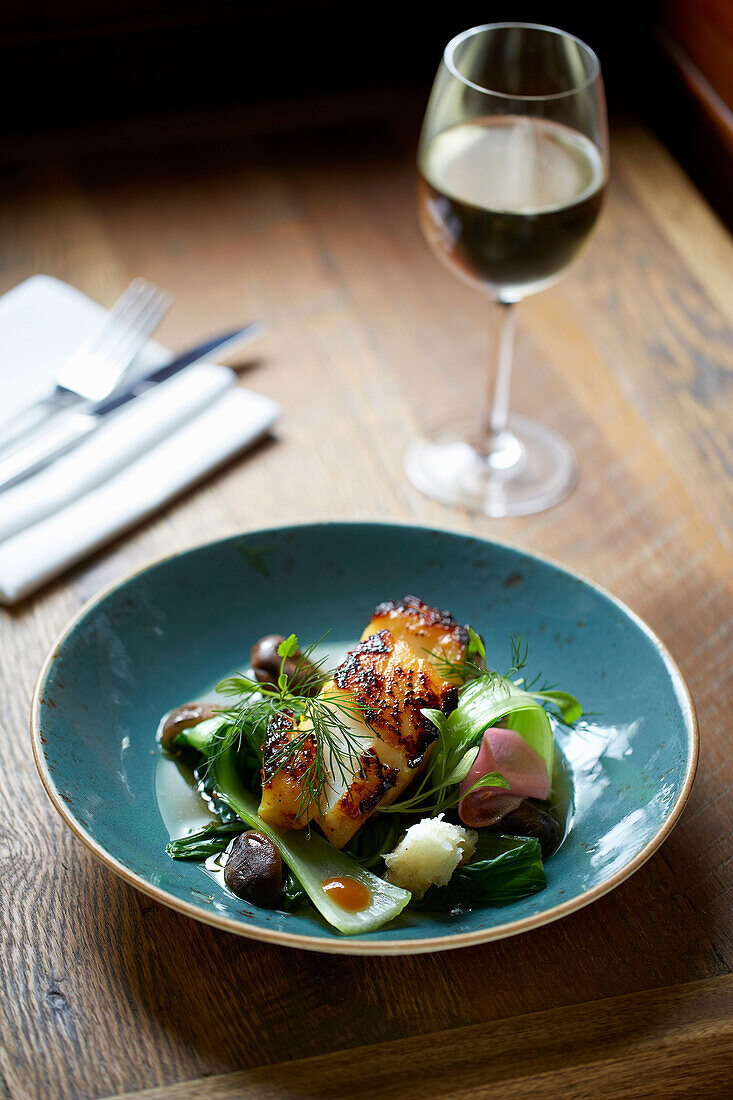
x=506, y=752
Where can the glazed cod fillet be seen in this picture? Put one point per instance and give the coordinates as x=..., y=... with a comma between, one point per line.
x=390, y=687
x=382, y=687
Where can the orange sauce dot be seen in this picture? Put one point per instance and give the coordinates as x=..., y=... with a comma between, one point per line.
x=347, y=893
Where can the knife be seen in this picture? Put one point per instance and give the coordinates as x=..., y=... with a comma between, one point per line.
x=68, y=430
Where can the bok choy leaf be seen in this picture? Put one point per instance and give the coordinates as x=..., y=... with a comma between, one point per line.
x=209, y=841
x=483, y=702
x=507, y=868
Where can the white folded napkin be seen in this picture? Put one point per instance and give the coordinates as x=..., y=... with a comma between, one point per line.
x=144, y=455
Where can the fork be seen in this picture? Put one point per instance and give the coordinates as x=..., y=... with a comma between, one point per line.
x=98, y=366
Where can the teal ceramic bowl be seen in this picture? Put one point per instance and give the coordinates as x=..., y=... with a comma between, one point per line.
x=166, y=634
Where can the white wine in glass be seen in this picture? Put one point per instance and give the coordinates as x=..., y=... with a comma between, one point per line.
x=513, y=164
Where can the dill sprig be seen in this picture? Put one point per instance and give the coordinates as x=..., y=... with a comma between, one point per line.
x=331, y=748
x=472, y=665
x=258, y=703
x=469, y=667
x=324, y=748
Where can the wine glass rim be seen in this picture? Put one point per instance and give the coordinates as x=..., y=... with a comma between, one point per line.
x=450, y=49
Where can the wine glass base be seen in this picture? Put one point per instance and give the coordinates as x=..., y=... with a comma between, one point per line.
x=443, y=465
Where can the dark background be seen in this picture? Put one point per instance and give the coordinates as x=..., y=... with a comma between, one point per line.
x=95, y=70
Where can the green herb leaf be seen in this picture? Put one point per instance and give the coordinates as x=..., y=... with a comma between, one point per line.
x=288, y=647
x=519, y=654
x=492, y=779
x=508, y=876
x=462, y=768
x=475, y=648
x=566, y=705
x=293, y=893
x=237, y=685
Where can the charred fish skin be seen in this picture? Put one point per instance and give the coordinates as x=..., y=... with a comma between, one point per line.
x=344, y=806
x=433, y=635
x=282, y=798
x=392, y=688
x=417, y=611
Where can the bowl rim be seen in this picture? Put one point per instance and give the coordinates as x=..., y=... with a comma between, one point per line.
x=347, y=945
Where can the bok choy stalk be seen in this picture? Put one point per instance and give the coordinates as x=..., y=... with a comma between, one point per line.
x=310, y=857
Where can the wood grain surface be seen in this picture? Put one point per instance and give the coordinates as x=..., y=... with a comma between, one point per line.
x=665, y=1042
x=105, y=992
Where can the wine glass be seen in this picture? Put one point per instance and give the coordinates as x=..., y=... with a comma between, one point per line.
x=513, y=165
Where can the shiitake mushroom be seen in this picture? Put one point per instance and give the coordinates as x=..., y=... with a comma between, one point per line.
x=253, y=870
x=182, y=718
x=302, y=675
x=530, y=820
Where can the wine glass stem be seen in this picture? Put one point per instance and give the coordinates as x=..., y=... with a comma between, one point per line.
x=494, y=431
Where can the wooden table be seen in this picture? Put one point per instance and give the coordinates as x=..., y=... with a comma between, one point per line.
x=631, y=357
